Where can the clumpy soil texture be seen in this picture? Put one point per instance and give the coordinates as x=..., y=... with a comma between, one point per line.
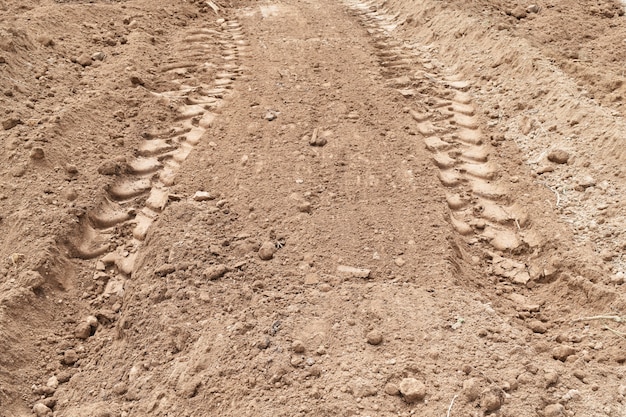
x=312, y=208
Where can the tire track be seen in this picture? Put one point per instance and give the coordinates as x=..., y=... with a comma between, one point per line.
x=481, y=207
x=116, y=227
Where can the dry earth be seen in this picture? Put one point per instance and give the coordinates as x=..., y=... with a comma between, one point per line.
x=312, y=208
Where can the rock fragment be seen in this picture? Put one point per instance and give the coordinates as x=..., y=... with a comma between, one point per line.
x=82, y=331
x=492, y=399
x=71, y=169
x=317, y=139
x=84, y=60
x=374, y=337
x=392, y=389
x=10, y=123
x=266, y=251
x=136, y=80
x=41, y=410
x=518, y=12
x=558, y=156
x=297, y=346
x=584, y=182
x=70, y=357
x=472, y=389
x=412, y=390
x=554, y=410
x=533, y=8
x=562, y=352
x=120, y=388
x=36, y=153
x=92, y=321
x=304, y=207
x=203, y=196
x=53, y=382
x=214, y=272
x=537, y=326
x=354, y=272
x=551, y=378
x=98, y=56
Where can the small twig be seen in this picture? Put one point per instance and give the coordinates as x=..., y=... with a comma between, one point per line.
x=602, y=317
x=517, y=224
x=451, y=404
x=556, y=193
x=620, y=334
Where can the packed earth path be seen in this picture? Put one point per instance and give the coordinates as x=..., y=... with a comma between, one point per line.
x=310, y=208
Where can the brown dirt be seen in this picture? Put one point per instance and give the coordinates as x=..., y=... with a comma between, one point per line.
x=312, y=208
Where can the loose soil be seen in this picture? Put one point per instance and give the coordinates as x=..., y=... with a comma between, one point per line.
x=312, y=208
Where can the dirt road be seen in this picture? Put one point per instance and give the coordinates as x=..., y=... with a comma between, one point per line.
x=311, y=208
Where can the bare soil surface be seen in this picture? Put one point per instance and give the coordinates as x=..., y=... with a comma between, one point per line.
x=312, y=208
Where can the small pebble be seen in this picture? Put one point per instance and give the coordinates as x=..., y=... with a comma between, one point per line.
x=562, y=352
x=533, y=8
x=120, y=388
x=412, y=390
x=554, y=410
x=98, y=56
x=317, y=139
x=10, y=123
x=472, y=389
x=492, y=399
x=392, y=389
x=304, y=207
x=136, y=80
x=214, y=272
x=71, y=169
x=36, y=153
x=558, y=156
x=537, y=326
x=374, y=337
x=518, y=12
x=263, y=343
x=41, y=410
x=70, y=357
x=266, y=251
x=82, y=331
x=202, y=196
x=297, y=346
x=92, y=321
x=53, y=382
x=551, y=378
x=84, y=60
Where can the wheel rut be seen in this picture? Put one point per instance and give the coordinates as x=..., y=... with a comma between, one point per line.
x=440, y=103
x=114, y=229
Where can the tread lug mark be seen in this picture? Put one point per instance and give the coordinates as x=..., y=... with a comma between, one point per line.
x=456, y=202
x=460, y=226
x=479, y=170
x=444, y=161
